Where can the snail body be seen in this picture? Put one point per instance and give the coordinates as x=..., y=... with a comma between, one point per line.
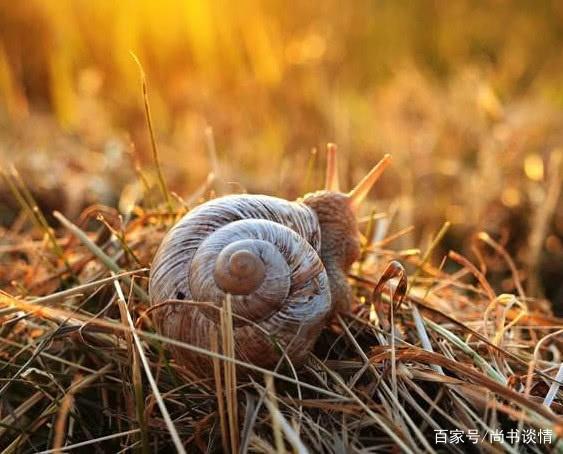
x=283, y=264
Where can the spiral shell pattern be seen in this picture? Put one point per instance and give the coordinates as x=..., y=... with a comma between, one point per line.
x=261, y=250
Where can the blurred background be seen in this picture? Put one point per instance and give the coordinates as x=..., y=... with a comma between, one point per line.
x=467, y=96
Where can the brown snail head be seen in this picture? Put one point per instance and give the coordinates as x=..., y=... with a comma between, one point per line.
x=284, y=265
x=336, y=212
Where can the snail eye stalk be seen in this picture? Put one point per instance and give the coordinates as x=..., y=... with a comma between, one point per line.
x=359, y=193
x=331, y=183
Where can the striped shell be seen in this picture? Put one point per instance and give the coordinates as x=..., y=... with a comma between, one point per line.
x=261, y=250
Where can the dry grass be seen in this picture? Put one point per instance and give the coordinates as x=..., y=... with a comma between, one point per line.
x=433, y=350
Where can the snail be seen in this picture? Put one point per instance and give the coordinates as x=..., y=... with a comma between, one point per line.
x=284, y=265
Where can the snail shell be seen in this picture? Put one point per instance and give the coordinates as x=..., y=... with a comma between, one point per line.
x=262, y=250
